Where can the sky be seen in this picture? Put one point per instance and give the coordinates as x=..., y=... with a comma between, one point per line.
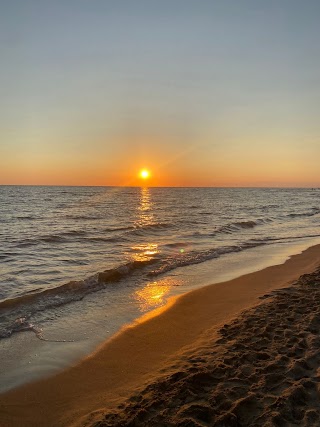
x=201, y=92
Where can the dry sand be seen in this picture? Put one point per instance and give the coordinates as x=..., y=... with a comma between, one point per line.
x=187, y=367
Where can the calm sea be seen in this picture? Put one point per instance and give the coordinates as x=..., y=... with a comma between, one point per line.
x=79, y=262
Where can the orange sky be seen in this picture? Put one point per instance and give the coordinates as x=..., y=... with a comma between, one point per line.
x=193, y=166
x=214, y=94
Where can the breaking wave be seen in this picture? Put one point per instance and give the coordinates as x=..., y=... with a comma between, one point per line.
x=194, y=257
x=24, y=306
x=241, y=225
x=312, y=212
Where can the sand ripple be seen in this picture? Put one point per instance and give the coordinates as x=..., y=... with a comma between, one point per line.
x=263, y=370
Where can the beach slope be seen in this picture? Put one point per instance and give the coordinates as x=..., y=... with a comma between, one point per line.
x=263, y=370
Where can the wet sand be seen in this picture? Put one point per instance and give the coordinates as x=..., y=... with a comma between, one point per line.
x=234, y=353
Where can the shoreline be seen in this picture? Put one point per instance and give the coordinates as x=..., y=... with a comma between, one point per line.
x=134, y=357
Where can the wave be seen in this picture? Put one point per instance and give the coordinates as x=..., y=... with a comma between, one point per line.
x=112, y=229
x=26, y=217
x=84, y=217
x=26, y=305
x=271, y=206
x=116, y=274
x=238, y=225
x=235, y=226
x=115, y=239
x=74, y=233
x=44, y=239
x=51, y=238
x=280, y=239
x=177, y=245
x=153, y=227
x=260, y=208
x=312, y=212
x=63, y=238
x=186, y=259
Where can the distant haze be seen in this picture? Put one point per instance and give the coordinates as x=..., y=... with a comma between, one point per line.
x=200, y=92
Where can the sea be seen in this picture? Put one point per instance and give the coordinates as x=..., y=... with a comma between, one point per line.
x=78, y=264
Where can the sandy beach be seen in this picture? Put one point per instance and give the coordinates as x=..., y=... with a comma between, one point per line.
x=238, y=353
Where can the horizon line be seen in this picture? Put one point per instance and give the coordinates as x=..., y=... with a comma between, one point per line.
x=161, y=186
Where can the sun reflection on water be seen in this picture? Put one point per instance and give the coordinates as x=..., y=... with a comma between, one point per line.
x=145, y=214
x=154, y=294
x=144, y=251
x=144, y=218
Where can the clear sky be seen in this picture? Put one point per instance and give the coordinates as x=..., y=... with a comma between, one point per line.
x=202, y=92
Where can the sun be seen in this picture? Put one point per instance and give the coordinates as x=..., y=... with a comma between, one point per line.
x=144, y=174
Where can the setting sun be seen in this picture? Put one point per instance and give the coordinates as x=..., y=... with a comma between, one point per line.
x=144, y=174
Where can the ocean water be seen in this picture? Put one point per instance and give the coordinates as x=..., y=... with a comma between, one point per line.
x=77, y=263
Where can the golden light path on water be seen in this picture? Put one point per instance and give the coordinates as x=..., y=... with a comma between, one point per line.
x=145, y=251
x=154, y=294
x=145, y=214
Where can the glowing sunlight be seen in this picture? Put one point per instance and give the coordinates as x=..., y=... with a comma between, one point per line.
x=144, y=174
